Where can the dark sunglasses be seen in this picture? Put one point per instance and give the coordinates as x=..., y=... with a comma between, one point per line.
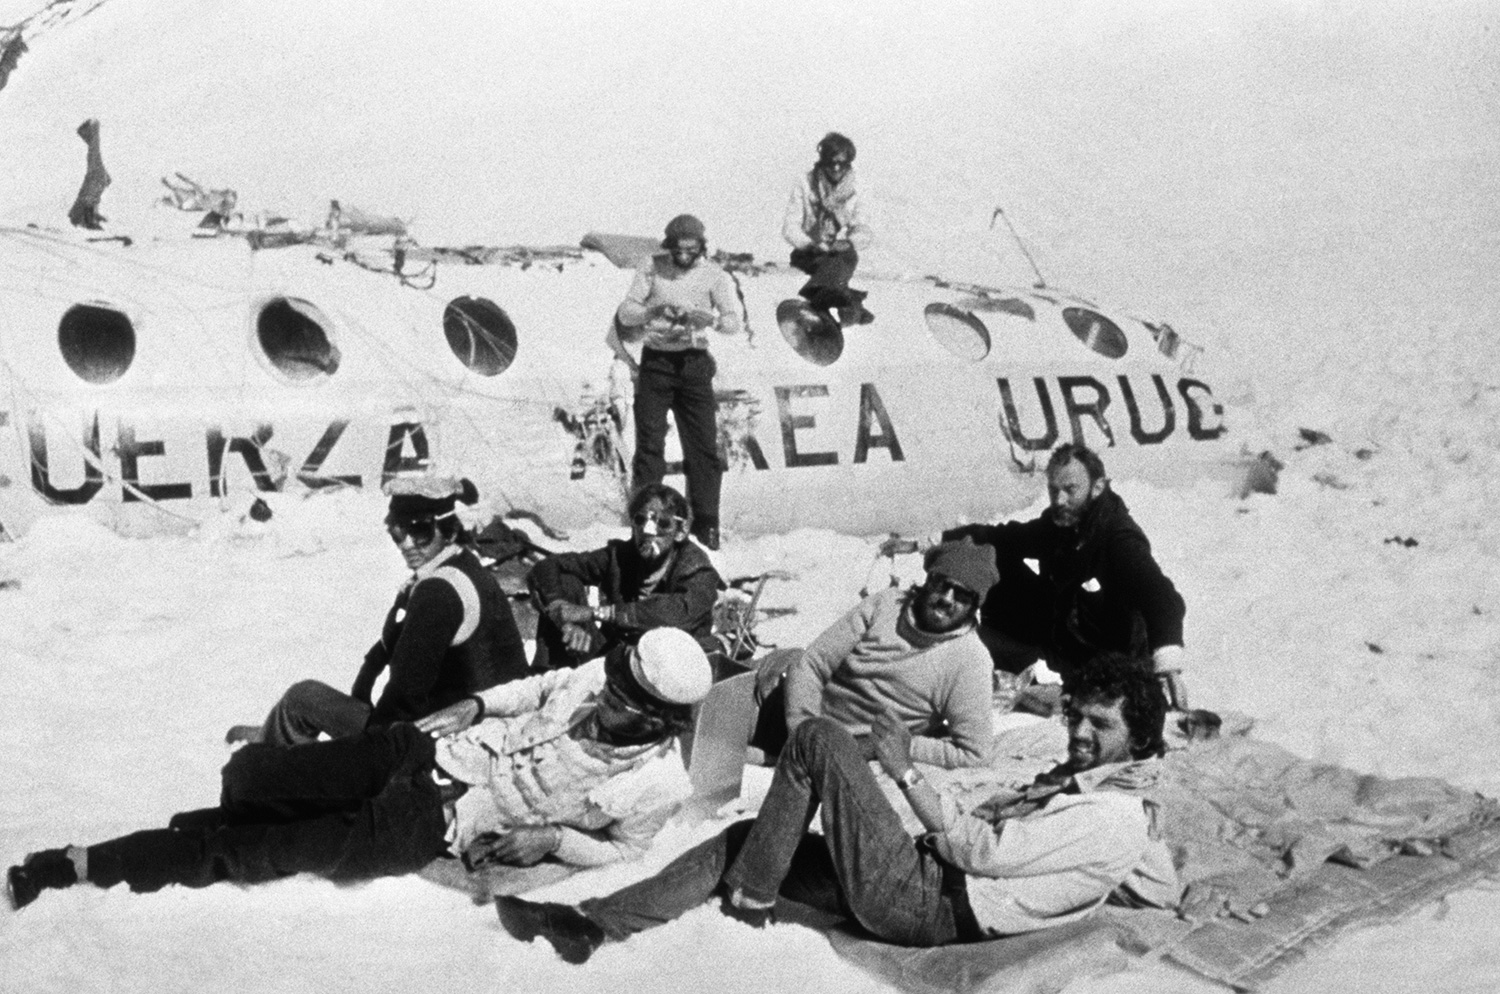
x=663, y=522
x=420, y=532
x=836, y=164
x=961, y=594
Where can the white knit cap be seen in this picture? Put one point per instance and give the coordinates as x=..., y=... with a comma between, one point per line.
x=670, y=665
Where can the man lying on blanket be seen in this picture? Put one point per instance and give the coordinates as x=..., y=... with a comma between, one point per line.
x=1018, y=862
x=580, y=765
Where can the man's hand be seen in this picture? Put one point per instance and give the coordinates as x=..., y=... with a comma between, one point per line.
x=524, y=845
x=577, y=638
x=453, y=718
x=771, y=671
x=561, y=613
x=898, y=546
x=840, y=245
x=699, y=319
x=1168, y=663
x=892, y=742
x=670, y=313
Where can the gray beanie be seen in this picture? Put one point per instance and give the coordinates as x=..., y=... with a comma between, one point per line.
x=964, y=563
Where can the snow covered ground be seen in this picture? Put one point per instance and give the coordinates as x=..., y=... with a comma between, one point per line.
x=1310, y=189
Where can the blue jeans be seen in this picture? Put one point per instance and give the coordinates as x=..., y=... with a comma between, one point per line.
x=348, y=809
x=864, y=866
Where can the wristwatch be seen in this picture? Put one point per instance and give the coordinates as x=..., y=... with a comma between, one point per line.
x=909, y=779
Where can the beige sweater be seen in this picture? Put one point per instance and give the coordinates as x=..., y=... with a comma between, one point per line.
x=939, y=685
x=703, y=287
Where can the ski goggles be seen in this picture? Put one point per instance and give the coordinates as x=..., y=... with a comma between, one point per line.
x=657, y=524
x=421, y=531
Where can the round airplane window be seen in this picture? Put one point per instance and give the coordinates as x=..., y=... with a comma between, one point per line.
x=481, y=334
x=97, y=342
x=1096, y=331
x=294, y=336
x=815, y=339
x=957, y=330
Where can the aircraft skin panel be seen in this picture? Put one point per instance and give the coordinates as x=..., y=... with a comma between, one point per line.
x=178, y=379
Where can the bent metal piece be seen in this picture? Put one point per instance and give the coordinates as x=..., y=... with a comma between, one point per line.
x=85, y=210
x=716, y=759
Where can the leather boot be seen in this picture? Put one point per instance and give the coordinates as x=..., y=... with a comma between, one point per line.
x=50, y=868
x=573, y=936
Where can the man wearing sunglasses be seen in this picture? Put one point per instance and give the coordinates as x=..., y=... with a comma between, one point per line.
x=580, y=766
x=450, y=632
x=677, y=297
x=1095, y=586
x=656, y=578
x=914, y=652
x=826, y=232
x=1079, y=836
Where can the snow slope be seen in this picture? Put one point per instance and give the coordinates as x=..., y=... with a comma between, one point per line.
x=1308, y=188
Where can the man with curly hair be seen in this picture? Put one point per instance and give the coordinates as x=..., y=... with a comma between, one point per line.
x=1019, y=862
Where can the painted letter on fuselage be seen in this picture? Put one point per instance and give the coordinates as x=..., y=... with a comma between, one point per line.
x=790, y=423
x=131, y=488
x=1077, y=409
x=309, y=474
x=249, y=449
x=1169, y=413
x=396, y=459
x=872, y=410
x=1195, y=409
x=41, y=476
x=1041, y=442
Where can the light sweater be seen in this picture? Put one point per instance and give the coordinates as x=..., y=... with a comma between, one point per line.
x=703, y=286
x=939, y=685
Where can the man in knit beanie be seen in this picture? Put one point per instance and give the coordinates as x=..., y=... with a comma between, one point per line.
x=676, y=299
x=914, y=651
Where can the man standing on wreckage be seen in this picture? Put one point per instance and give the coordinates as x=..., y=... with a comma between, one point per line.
x=1019, y=862
x=577, y=764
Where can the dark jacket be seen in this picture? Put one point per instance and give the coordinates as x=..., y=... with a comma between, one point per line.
x=1101, y=590
x=449, y=635
x=683, y=598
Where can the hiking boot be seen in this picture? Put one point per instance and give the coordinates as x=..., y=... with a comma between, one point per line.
x=39, y=871
x=708, y=537
x=854, y=314
x=573, y=936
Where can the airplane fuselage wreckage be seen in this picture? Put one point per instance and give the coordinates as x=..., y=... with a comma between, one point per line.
x=159, y=381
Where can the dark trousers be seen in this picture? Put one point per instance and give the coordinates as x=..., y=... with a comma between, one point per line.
x=347, y=809
x=831, y=273
x=683, y=383
x=1015, y=621
x=864, y=866
x=311, y=707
